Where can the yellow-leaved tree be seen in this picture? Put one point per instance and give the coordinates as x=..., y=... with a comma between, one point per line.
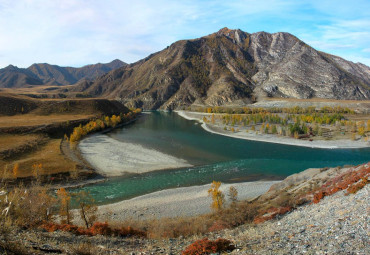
x=16, y=170
x=218, y=198
x=65, y=207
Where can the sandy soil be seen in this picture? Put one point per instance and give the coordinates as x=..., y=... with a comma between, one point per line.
x=327, y=144
x=177, y=202
x=114, y=158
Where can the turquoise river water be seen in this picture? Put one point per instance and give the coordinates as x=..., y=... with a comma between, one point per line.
x=214, y=157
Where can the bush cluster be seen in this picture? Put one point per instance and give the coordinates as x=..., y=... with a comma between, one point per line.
x=353, y=181
x=205, y=247
x=98, y=228
x=100, y=124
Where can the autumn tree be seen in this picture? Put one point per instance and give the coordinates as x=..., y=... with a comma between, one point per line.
x=88, y=208
x=218, y=198
x=16, y=170
x=37, y=170
x=65, y=206
x=361, y=131
x=233, y=194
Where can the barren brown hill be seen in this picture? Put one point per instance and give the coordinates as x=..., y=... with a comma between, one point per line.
x=31, y=131
x=12, y=104
x=232, y=67
x=14, y=77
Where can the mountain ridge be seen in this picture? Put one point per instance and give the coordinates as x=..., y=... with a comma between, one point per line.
x=47, y=74
x=232, y=66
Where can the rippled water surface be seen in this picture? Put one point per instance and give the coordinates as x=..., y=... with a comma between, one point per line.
x=214, y=157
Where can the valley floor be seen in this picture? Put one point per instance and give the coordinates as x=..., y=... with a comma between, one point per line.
x=218, y=128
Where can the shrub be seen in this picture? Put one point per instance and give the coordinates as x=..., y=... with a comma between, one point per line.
x=233, y=194
x=352, y=180
x=87, y=207
x=27, y=207
x=98, y=228
x=357, y=186
x=205, y=246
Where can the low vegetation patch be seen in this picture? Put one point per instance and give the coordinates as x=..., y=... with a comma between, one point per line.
x=352, y=180
x=98, y=228
x=205, y=247
x=300, y=123
x=101, y=124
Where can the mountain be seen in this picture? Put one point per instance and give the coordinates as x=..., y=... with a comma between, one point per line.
x=14, y=77
x=46, y=74
x=232, y=67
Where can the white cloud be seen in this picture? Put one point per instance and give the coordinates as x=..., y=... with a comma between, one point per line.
x=78, y=32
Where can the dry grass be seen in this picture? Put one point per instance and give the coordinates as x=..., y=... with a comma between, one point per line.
x=84, y=249
x=49, y=155
x=36, y=120
x=9, y=141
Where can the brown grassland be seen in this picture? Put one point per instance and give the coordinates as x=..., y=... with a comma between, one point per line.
x=31, y=132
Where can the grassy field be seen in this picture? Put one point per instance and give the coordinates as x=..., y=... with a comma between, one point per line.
x=48, y=155
x=37, y=120
x=31, y=132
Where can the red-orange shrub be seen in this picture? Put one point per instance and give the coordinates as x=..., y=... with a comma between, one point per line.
x=357, y=186
x=205, y=247
x=98, y=228
x=349, y=180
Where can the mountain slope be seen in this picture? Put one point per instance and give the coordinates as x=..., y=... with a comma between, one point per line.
x=14, y=77
x=46, y=74
x=232, y=67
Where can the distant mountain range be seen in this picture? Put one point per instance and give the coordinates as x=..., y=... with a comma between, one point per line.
x=232, y=66
x=229, y=67
x=46, y=74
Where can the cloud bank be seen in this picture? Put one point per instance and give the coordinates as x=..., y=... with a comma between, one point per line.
x=79, y=32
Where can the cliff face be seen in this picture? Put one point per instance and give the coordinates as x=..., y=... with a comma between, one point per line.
x=233, y=67
x=46, y=74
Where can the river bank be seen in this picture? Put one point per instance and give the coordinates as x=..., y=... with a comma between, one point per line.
x=114, y=158
x=253, y=136
x=178, y=202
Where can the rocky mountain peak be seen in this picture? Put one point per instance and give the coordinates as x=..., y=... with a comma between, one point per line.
x=232, y=67
x=10, y=68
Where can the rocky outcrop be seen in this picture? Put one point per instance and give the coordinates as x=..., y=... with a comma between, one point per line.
x=233, y=67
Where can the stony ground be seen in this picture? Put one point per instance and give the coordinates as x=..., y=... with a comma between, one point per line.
x=338, y=224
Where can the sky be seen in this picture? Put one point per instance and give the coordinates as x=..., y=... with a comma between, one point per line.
x=80, y=32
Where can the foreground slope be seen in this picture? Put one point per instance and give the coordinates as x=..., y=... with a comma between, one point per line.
x=233, y=67
x=335, y=225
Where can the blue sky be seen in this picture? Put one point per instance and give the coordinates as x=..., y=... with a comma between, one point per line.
x=80, y=32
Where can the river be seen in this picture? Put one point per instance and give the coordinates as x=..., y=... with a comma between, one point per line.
x=214, y=157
